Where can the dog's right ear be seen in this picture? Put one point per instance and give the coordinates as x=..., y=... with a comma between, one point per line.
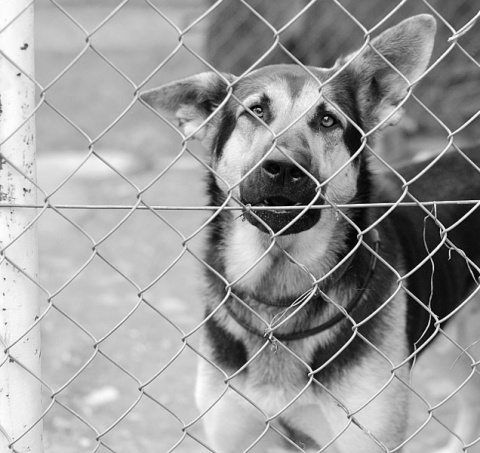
x=192, y=101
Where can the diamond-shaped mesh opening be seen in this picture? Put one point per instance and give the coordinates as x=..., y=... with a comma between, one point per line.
x=167, y=324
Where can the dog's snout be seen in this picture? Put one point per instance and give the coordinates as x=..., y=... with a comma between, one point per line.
x=283, y=171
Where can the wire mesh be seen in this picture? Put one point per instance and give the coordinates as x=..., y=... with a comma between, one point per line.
x=122, y=218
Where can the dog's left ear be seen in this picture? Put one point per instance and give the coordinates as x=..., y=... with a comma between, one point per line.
x=384, y=70
x=192, y=100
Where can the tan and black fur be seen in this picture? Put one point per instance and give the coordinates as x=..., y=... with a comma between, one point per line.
x=289, y=145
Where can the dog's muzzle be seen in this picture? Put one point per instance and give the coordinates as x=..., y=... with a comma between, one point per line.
x=280, y=182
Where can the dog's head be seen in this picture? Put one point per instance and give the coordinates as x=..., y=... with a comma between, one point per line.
x=286, y=135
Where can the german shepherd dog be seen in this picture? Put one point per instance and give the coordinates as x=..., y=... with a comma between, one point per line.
x=322, y=287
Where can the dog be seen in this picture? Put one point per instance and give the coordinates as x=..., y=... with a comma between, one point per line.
x=322, y=287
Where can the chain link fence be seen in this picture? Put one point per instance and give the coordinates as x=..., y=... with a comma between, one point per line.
x=120, y=216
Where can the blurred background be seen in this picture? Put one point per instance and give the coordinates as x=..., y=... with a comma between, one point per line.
x=122, y=285
x=325, y=30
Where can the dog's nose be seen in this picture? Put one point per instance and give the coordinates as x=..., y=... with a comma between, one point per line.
x=283, y=172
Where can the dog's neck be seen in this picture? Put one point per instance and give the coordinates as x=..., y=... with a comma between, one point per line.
x=309, y=300
x=278, y=272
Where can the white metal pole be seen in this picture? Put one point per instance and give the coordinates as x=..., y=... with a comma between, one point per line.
x=20, y=389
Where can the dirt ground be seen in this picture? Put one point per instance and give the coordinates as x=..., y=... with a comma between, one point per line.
x=114, y=327
x=122, y=286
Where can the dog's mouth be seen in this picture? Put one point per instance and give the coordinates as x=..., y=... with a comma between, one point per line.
x=282, y=213
x=279, y=201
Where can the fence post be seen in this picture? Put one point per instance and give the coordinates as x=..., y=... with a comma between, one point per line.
x=20, y=388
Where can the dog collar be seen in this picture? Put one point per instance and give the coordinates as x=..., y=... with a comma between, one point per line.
x=299, y=335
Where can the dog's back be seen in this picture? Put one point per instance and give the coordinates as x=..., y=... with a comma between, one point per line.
x=438, y=234
x=451, y=176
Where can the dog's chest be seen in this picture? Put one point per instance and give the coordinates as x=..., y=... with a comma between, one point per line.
x=274, y=377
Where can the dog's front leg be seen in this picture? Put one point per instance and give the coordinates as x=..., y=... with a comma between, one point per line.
x=232, y=424
x=455, y=369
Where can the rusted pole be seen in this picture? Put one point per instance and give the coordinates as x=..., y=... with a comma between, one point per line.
x=20, y=388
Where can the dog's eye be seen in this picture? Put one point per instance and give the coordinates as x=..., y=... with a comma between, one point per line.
x=328, y=121
x=257, y=110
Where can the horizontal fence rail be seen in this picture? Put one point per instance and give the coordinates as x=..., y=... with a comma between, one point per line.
x=104, y=222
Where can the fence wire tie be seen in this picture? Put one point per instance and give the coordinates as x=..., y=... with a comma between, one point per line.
x=245, y=212
x=268, y=334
